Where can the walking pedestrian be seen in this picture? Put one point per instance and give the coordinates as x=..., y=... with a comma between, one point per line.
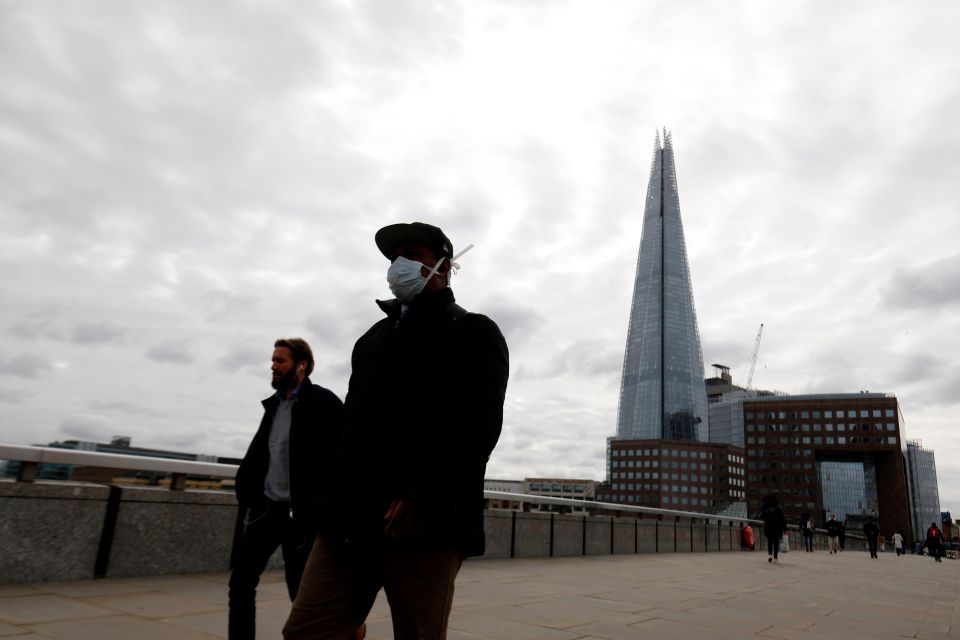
x=934, y=541
x=833, y=534
x=774, y=526
x=898, y=543
x=872, y=532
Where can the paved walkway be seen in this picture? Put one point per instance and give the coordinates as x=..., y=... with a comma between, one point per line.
x=716, y=595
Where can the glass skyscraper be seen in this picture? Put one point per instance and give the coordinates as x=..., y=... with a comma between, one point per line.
x=924, y=492
x=662, y=393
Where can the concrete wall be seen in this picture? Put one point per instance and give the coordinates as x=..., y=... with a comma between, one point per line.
x=69, y=531
x=568, y=535
x=49, y=530
x=74, y=531
x=159, y=531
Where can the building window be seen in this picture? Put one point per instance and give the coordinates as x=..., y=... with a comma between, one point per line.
x=891, y=426
x=841, y=440
x=891, y=439
x=889, y=413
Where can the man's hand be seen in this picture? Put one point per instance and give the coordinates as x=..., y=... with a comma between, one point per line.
x=401, y=520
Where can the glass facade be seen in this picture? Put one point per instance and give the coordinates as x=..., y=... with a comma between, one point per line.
x=726, y=418
x=848, y=489
x=662, y=394
x=924, y=493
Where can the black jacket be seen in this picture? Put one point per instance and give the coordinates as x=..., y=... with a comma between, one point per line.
x=423, y=413
x=774, y=522
x=314, y=433
x=834, y=528
x=934, y=538
x=871, y=531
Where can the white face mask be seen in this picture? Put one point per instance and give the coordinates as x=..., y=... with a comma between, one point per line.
x=405, y=280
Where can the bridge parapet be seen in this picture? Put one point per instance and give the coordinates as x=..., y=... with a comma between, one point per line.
x=71, y=530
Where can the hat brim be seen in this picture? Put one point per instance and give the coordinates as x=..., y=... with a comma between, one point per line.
x=390, y=236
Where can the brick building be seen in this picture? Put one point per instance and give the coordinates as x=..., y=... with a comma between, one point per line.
x=674, y=474
x=841, y=454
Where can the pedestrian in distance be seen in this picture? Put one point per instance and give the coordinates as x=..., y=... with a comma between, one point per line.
x=298, y=434
x=774, y=526
x=842, y=537
x=834, y=529
x=872, y=532
x=898, y=544
x=423, y=412
x=807, y=527
x=934, y=542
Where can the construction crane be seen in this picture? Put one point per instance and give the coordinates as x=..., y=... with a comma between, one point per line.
x=753, y=358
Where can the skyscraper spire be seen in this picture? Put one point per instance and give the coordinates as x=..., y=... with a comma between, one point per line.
x=662, y=393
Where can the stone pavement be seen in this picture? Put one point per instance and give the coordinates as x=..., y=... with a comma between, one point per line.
x=715, y=595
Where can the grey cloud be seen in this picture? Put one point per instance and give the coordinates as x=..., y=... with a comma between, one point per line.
x=174, y=352
x=243, y=357
x=43, y=323
x=97, y=332
x=128, y=408
x=25, y=365
x=919, y=368
x=223, y=304
x=516, y=322
x=12, y=396
x=587, y=358
x=940, y=392
x=331, y=328
x=932, y=286
x=85, y=428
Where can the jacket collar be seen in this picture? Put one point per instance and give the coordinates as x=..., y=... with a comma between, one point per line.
x=421, y=304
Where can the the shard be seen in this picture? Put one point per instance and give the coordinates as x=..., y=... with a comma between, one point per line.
x=662, y=393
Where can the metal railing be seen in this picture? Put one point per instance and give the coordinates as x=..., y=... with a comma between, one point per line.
x=591, y=506
x=32, y=457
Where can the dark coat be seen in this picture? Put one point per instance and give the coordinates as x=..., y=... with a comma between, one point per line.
x=871, y=531
x=834, y=528
x=422, y=415
x=934, y=538
x=774, y=522
x=314, y=434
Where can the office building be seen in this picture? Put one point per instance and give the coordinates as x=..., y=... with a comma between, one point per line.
x=675, y=474
x=924, y=493
x=662, y=393
x=840, y=454
x=571, y=488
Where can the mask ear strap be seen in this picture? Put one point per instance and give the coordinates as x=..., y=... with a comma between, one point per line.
x=453, y=265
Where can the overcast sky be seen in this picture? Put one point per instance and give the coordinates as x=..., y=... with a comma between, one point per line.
x=184, y=182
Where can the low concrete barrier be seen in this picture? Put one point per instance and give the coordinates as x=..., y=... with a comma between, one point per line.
x=69, y=531
x=50, y=531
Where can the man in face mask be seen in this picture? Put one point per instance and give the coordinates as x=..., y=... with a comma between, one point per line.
x=424, y=409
